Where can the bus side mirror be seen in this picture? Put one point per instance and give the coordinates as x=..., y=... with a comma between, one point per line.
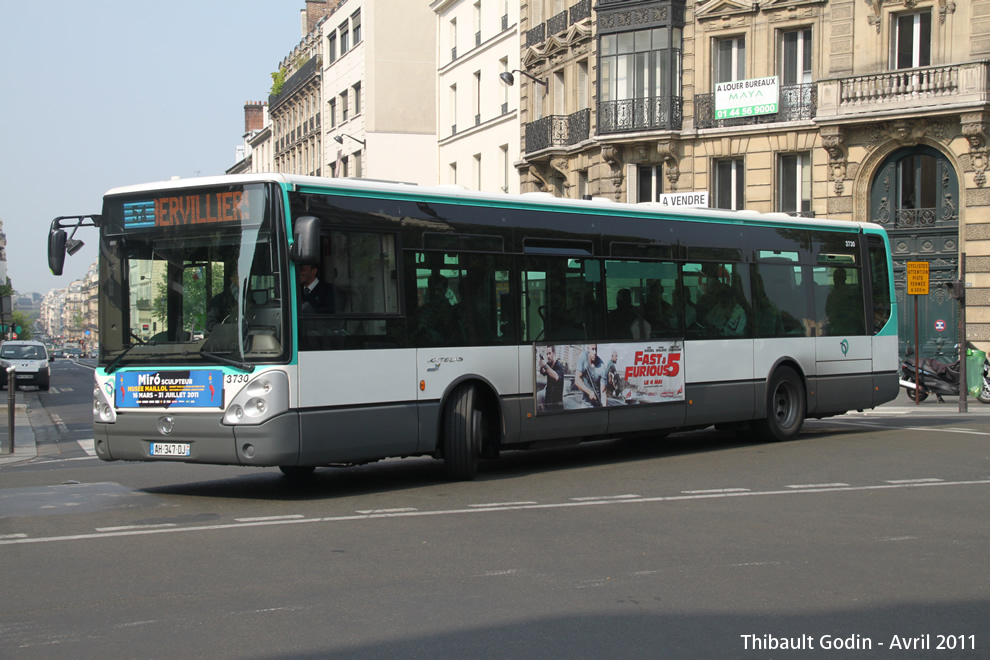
x=56, y=250
x=306, y=241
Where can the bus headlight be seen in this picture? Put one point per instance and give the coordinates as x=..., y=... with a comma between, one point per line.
x=102, y=408
x=261, y=399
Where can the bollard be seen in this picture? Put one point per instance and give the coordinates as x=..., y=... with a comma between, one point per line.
x=11, y=405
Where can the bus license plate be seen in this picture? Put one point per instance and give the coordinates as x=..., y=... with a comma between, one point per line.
x=169, y=449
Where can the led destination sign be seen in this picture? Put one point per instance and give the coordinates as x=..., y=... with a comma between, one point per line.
x=177, y=211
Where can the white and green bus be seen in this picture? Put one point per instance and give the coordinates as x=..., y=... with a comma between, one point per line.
x=458, y=324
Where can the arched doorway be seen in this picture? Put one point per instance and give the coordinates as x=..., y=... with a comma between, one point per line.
x=915, y=196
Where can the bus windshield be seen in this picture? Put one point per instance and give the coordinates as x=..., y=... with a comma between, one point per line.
x=192, y=277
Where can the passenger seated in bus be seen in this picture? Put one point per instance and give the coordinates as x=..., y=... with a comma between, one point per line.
x=315, y=295
x=437, y=320
x=620, y=319
x=724, y=314
x=657, y=312
x=844, y=306
x=767, y=319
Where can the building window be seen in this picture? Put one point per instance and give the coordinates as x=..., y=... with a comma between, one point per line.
x=503, y=65
x=343, y=106
x=343, y=38
x=794, y=183
x=729, y=183
x=333, y=113
x=357, y=98
x=911, y=40
x=794, y=59
x=332, y=47
x=559, y=97
x=453, y=109
x=453, y=39
x=639, y=78
x=477, y=23
x=583, y=97
x=356, y=26
x=582, y=184
x=358, y=164
x=477, y=171
x=477, y=98
x=504, y=152
x=729, y=59
x=649, y=183
x=452, y=173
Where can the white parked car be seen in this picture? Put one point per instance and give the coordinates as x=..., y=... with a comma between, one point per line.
x=30, y=361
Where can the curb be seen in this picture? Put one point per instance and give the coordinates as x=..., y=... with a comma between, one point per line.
x=25, y=447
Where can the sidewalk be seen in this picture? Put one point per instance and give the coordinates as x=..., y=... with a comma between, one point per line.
x=24, y=442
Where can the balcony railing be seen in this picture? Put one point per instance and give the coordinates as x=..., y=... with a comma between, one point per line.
x=537, y=35
x=558, y=23
x=906, y=90
x=558, y=131
x=796, y=102
x=652, y=113
x=580, y=11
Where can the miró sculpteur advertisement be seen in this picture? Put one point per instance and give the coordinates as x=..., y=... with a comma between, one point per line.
x=596, y=375
x=170, y=389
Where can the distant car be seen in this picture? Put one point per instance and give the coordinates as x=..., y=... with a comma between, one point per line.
x=30, y=361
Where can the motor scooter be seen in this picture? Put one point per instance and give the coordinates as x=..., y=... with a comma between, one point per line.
x=940, y=378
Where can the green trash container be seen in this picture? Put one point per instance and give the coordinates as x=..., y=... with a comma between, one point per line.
x=974, y=371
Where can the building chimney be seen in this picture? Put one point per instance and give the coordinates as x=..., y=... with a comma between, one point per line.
x=315, y=10
x=254, y=116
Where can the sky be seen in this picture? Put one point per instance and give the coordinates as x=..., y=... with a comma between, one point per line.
x=95, y=95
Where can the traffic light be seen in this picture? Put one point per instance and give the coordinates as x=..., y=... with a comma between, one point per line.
x=957, y=290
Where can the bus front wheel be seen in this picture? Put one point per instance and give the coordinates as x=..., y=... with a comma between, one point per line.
x=785, y=407
x=462, y=434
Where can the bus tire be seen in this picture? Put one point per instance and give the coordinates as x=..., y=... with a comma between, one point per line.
x=462, y=434
x=785, y=407
x=297, y=472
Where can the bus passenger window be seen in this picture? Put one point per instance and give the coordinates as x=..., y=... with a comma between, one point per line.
x=716, y=304
x=843, y=305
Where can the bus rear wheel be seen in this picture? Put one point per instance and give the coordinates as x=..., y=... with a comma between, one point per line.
x=786, y=407
x=462, y=434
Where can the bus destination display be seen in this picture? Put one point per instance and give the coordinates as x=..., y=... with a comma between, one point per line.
x=181, y=210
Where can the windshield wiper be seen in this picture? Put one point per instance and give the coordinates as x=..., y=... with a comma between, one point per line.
x=219, y=359
x=112, y=367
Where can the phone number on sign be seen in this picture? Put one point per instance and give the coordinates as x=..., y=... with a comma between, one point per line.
x=768, y=109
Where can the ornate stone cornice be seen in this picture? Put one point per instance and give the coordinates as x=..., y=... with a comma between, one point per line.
x=833, y=140
x=974, y=127
x=668, y=152
x=612, y=156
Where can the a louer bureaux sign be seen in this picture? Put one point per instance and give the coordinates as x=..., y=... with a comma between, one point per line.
x=747, y=98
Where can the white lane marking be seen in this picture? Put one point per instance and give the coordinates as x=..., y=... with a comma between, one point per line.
x=509, y=571
x=599, y=498
x=897, y=538
x=715, y=490
x=497, y=504
x=929, y=430
x=87, y=445
x=373, y=512
x=836, y=485
x=131, y=528
x=522, y=507
x=294, y=516
x=53, y=390
x=13, y=536
x=913, y=481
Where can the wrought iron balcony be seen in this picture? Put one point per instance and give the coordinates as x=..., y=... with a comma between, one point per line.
x=537, y=35
x=580, y=11
x=558, y=131
x=796, y=102
x=558, y=23
x=651, y=113
x=905, y=90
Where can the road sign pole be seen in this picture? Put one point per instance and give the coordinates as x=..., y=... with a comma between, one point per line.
x=917, y=285
x=917, y=357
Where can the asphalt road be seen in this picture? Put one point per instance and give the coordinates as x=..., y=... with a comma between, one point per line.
x=868, y=532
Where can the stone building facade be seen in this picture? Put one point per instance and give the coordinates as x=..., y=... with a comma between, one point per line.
x=881, y=115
